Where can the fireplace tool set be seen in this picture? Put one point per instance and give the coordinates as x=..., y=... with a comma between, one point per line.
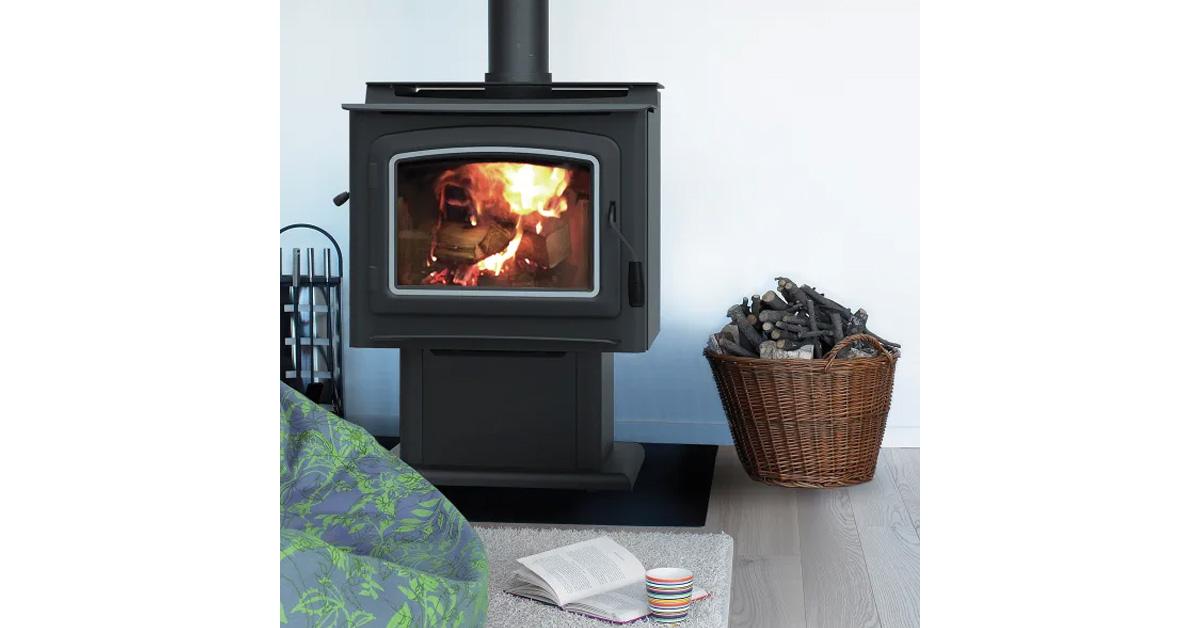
x=310, y=320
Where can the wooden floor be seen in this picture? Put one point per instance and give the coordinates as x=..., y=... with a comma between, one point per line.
x=823, y=558
x=830, y=558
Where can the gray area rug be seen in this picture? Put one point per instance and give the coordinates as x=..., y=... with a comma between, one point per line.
x=709, y=556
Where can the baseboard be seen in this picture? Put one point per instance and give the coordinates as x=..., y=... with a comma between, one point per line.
x=902, y=436
x=680, y=432
x=709, y=433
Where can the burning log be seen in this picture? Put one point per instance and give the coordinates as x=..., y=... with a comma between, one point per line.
x=547, y=247
x=462, y=243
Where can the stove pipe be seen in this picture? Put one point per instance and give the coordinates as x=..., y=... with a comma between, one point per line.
x=518, y=41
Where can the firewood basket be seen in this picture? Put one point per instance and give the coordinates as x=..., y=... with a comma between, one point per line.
x=807, y=423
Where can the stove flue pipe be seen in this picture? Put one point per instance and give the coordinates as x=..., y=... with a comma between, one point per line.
x=518, y=41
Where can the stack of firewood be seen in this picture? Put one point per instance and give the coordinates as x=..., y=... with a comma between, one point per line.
x=793, y=322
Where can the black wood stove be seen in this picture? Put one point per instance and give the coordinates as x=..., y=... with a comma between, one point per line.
x=504, y=235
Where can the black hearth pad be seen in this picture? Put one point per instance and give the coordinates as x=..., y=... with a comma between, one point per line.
x=672, y=490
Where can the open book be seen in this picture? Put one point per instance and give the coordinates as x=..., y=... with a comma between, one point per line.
x=597, y=578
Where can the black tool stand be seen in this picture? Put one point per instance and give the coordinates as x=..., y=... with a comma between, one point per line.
x=519, y=419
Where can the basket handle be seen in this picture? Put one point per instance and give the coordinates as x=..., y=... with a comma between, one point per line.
x=845, y=342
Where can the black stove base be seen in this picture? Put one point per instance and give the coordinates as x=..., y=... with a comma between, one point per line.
x=619, y=472
x=671, y=490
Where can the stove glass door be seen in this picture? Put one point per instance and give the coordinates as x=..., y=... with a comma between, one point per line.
x=494, y=221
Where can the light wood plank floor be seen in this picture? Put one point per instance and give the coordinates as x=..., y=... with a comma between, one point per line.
x=831, y=558
x=840, y=558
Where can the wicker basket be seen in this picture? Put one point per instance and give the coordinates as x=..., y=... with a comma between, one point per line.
x=809, y=423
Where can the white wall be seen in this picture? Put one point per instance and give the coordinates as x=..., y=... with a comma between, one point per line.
x=789, y=146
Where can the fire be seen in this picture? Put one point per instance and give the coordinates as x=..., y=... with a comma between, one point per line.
x=494, y=264
x=504, y=192
x=529, y=188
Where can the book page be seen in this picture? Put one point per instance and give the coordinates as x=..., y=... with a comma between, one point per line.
x=587, y=568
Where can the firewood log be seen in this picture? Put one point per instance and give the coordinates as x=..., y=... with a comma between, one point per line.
x=771, y=316
x=790, y=291
x=774, y=301
x=794, y=318
x=748, y=336
x=783, y=334
x=885, y=342
x=786, y=326
x=857, y=322
x=735, y=348
x=770, y=351
x=812, y=323
x=549, y=248
x=812, y=293
x=462, y=243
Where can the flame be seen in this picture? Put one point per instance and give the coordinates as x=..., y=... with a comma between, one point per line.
x=494, y=264
x=506, y=192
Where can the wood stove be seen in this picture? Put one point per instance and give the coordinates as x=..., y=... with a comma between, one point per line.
x=504, y=235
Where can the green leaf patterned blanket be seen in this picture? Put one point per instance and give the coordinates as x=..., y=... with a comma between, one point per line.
x=364, y=540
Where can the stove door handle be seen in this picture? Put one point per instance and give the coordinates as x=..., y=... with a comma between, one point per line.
x=636, y=279
x=637, y=285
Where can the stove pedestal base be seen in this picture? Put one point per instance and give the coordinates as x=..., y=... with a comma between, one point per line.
x=618, y=473
x=523, y=419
